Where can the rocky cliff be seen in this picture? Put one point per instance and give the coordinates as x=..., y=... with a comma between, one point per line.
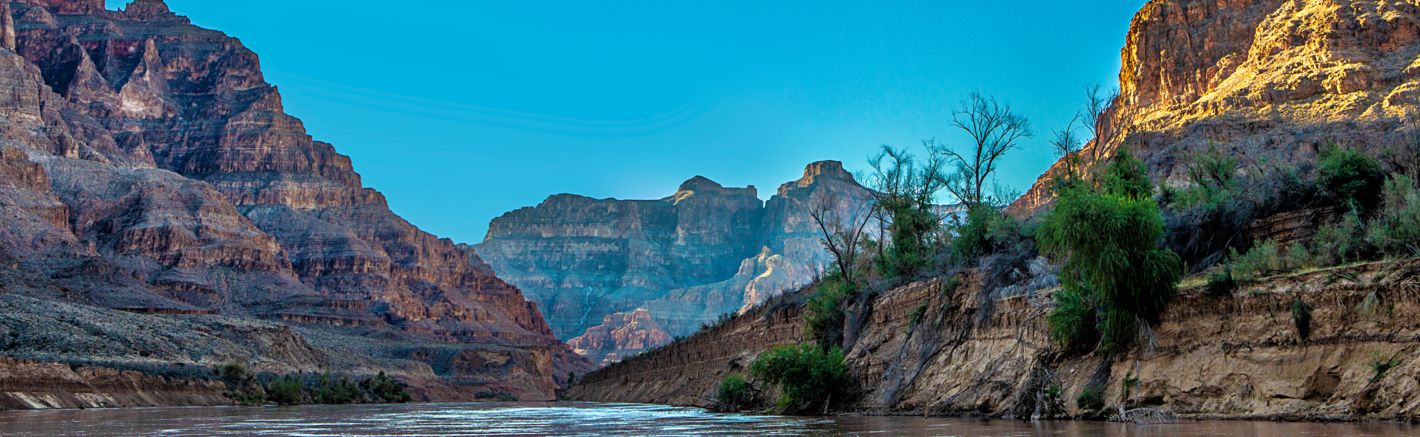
x=1229, y=357
x=146, y=166
x=687, y=259
x=1263, y=80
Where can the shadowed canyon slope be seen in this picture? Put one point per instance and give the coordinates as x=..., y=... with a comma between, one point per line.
x=1265, y=80
x=146, y=166
x=687, y=259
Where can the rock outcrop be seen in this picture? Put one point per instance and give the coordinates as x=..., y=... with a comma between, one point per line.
x=1263, y=80
x=146, y=166
x=620, y=335
x=688, y=259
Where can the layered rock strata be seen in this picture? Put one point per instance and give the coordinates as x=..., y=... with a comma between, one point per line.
x=687, y=259
x=147, y=166
x=1271, y=82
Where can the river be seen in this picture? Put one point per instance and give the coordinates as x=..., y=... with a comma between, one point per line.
x=598, y=419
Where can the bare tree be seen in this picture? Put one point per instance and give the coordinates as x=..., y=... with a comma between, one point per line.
x=842, y=236
x=1096, y=101
x=1067, y=144
x=994, y=129
x=896, y=175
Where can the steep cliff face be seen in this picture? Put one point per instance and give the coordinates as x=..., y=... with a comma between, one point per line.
x=687, y=259
x=148, y=166
x=1231, y=357
x=1272, y=80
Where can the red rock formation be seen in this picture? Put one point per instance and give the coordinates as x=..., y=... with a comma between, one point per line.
x=72, y=6
x=1263, y=80
x=620, y=335
x=149, y=166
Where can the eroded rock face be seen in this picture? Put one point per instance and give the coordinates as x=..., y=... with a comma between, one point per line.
x=1270, y=80
x=620, y=335
x=687, y=259
x=1236, y=357
x=147, y=166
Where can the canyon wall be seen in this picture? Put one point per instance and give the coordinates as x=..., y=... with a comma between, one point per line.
x=147, y=167
x=1234, y=357
x=1267, y=81
x=685, y=260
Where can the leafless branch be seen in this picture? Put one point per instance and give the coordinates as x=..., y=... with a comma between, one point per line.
x=994, y=129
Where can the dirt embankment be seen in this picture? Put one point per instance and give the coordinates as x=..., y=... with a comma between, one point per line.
x=33, y=385
x=1234, y=357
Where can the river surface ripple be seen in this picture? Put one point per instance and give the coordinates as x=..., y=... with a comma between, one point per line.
x=592, y=419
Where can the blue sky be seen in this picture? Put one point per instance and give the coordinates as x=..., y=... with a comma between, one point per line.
x=461, y=110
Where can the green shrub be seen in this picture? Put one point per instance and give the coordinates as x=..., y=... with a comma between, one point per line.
x=1221, y=283
x=1090, y=400
x=233, y=374
x=1126, y=177
x=1299, y=257
x=1109, y=240
x=823, y=316
x=1052, y=392
x=1350, y=177
x=1267, y=259
x=241, y=384
x=1262, y=260
x=905, y=189
x=497, y=396
x=1213, y=178
x=1396, y=227
x=285, y=390
x=335, y=390
x=913, y=228
x=1341, y=242
x=914, y=317
x=1302, y=318
x=1379, y=366
x=1073, y=323
x=985, y=231
x=734, y=394
x=383, y=389
x=807, y=376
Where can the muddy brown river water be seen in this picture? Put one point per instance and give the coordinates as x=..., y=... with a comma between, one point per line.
x=588, y=419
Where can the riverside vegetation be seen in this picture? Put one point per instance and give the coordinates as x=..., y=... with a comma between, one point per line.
x=248, y=388
x=1121, y=245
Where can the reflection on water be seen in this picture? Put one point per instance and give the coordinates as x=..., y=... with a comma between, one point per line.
x=596, y=419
